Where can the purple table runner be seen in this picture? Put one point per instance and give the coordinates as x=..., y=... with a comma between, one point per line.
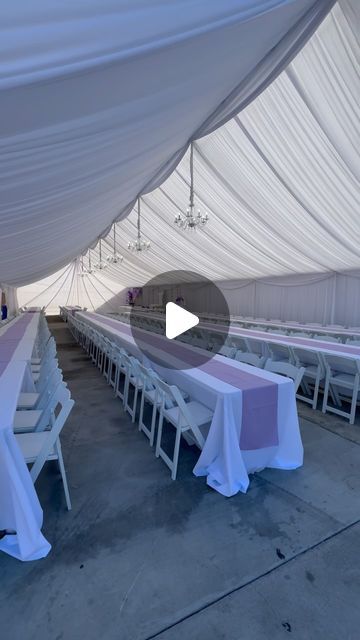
x=10, y=339
x=259, y=427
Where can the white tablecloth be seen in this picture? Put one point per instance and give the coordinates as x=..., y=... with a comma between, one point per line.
x=222, y=460
x=20, y=509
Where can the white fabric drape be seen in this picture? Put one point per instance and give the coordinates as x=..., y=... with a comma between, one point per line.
x=327, y=298
x=99, y=101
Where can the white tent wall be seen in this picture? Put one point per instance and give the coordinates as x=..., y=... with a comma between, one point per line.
x=324, y=298
x=10, y=298
x=74, y=287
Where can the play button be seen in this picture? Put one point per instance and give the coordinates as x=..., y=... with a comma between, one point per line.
x=178, y=320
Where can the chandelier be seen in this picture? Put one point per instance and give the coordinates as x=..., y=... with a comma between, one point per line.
x=191, y=220
x=139, y=244
x=114, y=257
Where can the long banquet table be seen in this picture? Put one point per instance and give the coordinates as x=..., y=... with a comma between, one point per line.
x=20, y=511
x=309, y=328
x=255, y=422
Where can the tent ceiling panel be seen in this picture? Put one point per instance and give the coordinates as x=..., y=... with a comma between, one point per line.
x=99, y=101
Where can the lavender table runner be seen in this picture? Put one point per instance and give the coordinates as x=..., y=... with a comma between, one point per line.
x=260, y=396
x=10, y=339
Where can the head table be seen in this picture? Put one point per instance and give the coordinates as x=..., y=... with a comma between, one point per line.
x=255, y=422
x=20, y=510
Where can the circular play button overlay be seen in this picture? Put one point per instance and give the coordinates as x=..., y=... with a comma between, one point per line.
x=179, y=320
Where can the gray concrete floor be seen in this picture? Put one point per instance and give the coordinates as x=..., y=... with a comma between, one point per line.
x=141, y=557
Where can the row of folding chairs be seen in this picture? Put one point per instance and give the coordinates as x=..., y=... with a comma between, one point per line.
x=138, y=386
x=42, y=414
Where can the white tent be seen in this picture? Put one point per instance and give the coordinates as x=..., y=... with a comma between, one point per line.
x=280, y=182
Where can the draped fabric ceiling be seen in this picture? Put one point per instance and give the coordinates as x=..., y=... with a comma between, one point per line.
x=280, y=182
x=99, y=102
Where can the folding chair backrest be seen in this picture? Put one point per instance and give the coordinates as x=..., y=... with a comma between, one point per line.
x=250, y=358
x=63, y=399
x=280, y=351
x=286, y=369
x=228, y=352
x=341, y=364
x=306, y=358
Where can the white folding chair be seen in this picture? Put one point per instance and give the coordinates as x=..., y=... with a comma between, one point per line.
x=228, y=352
x=280, y=352
x=151, y=396
x=250, y=358
x=133, y=379
x=41, y=447
x=185, y=417
x=314, y=367
x=32, y=400
x=286, y=369
x=343, y=377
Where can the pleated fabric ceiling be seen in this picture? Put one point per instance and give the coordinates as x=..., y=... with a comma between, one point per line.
x=99, y=101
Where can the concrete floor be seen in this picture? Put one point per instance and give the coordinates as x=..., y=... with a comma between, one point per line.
x=142, y=557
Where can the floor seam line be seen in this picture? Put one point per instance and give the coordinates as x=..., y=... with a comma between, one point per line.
x=252, y=580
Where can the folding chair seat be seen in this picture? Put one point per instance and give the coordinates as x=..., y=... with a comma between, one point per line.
x=186, y=417
x=314, y=372
x=343, y=378
x=40, y=447
x=250, y=358
x=286, y=369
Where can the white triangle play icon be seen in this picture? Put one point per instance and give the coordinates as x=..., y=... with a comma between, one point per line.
x=178, y=320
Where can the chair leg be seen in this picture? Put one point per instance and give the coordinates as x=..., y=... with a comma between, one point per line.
x=176, y=454
x=159, y=434
x=354, y=400
x=63, y=473
x=326, y=394
x=316, y=391
x=153, y=424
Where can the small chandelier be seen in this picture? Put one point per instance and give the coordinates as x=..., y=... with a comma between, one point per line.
x=84, y=271
x=100, y=265
x=191, y=220
x=139, y=244
x=114, y=257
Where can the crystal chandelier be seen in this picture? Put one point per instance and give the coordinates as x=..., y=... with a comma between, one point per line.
x=100, y=265
x=139, y=244
x=114, y=257
x=191, y=220
x=84, y=271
